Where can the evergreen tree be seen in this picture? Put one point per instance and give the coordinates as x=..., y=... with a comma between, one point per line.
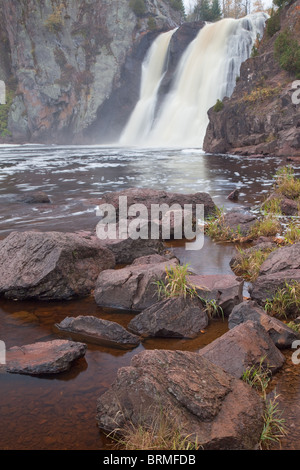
x=215, y=10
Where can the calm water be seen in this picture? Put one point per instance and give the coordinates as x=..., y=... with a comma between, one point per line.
x=59, y=412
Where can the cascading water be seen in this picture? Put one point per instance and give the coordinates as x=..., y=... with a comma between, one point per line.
x=207, y=72
x=140, y=122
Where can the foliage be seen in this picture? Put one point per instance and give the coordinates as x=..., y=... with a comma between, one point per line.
x=272, y=206
x=286, y=300
x=281, y=3
x=248, y=264
x=138, y=7
x=258, y=376
x=273, y=23
x=212, y=309
x=162, y=433
x=176, y=283
x=287, y=52
x=266, y=227
x=254, y=52
x=177, y=5
x=286, y=183
x=55, y=21
x=218, y=106
x=205, y=10
x=292, y=234
x=294, y=326
x=151, y=23
x=274, y=425
x=260, y=94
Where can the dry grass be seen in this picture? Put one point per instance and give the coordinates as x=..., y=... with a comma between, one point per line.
x=248, y=264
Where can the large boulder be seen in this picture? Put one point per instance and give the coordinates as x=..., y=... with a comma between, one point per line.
x=279, y=332
x=147, y=197
x=265, y=286
x=98, y=331
x=283, y=259
x=198, y=398
x=126, y=250
x=226, y=290
x=51, y=266
x=242, y=347
x=239, y=221
x=133, y=287
x=176, y=317
x=41, y=358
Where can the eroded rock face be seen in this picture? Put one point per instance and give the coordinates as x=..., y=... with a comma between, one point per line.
x=279, y=332
x=176, y=317
x=131, y=288
x=41, y=358
x=50, y=266
x=260, y=117
x=242, y=347
x=197, y=397
x=67, y=59
x=98, y=331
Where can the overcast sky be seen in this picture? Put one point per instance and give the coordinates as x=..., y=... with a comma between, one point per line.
x=190, y=3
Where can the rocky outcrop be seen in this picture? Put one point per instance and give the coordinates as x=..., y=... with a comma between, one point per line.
x=224, y=289
x=260, y=117
x=133, y=287
x=50, y=357
x=282, y=266
x=279, y=332
x=177, y=317
x=67, y=59
x=51, y=266
x=98, y=331
x=198, y=398
x=242, y=347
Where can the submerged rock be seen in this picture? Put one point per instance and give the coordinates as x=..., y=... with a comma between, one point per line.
x=43, y=358
x=131, y=288
x=177, y=317
x=195, y=396
x=242, y=347
x=279, y=332
x=39, y=197
x=50, y=266
x=98, y=331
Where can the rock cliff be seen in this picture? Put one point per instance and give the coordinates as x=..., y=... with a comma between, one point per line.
x=260, y=117
x=63, y=59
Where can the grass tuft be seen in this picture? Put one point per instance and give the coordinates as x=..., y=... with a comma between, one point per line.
x=285, y=302
x=176, y=283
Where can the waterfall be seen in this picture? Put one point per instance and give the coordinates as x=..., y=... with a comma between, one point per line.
x=153, y=68
x=206, y=72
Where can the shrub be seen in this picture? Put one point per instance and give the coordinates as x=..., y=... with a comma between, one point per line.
x=152, y=24
x=138, y=7
x=273, y=23
x=287, y=52
x=218, y=106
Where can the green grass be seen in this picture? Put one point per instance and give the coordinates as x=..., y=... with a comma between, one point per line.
x=292, y=234
x=294, y=326
x=274, y=428
x=217, y=230
x=248, y=264
x=176, y=283
x=268, y=226
x=272, y=206
x=218, y=106
x=286, y=301
x=258, y=377
x=286, y=183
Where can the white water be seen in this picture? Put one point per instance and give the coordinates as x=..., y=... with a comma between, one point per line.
x=207, y=72
x=139, y=124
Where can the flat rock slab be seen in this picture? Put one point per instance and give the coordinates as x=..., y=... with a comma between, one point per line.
x=197, y=397
x=226, y=290
x=51, y=266
x=279, y=332
x=50, y=357
x=242, y=347
x=98, y=331
x=133, y=287
x=176, y=317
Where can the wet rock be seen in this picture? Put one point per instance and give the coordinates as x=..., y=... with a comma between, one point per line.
x=266, y=286
x=239, y=221
x=263, y=246
x=197, y=397
x=279, y=332
x=38, y=197
x=50, y=266
x=287, y=206
x=147, y=197
x=177, y=317
x=242, y=347
x=234, y=195
x=43, y=358
x=283, y=259
x=98, y=331
x=226, y=290
x=131, y=288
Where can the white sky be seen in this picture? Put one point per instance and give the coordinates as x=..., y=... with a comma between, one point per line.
x=190, y=3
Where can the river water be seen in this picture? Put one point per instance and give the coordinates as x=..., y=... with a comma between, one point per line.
x=59, y=412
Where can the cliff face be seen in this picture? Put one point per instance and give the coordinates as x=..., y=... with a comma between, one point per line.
x=260, y=117
x=66, y=58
